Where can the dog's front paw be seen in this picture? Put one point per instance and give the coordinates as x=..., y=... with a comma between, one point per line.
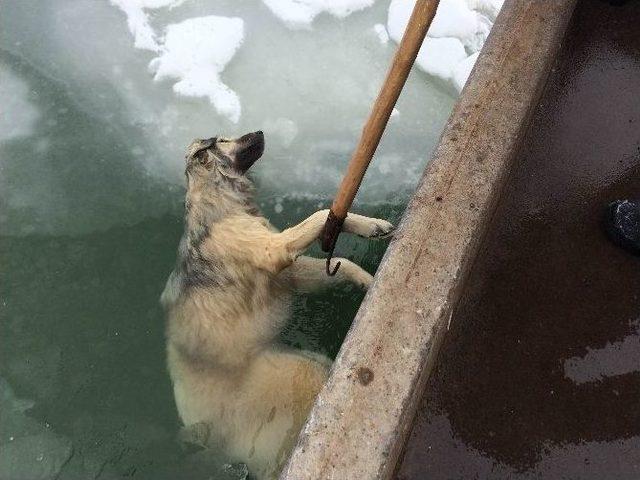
x=355, y=274
x=363, y=280
x=367, y=227
x=379, y=228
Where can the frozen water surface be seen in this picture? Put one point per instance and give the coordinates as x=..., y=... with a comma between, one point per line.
x=98, y=99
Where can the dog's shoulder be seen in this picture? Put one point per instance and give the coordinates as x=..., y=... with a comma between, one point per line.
x=207, y=252
x=237, y=237
x=195, y=266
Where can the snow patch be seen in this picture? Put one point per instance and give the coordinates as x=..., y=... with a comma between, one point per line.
x=456, y=19
x=440, y=56
x=195, y=52
x=138, y=20
x=301, y=13
x=455, y=37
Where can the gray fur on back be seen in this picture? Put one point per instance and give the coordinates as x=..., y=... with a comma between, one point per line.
x=221, y=196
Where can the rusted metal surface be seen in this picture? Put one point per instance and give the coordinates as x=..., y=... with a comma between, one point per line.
x=363, y=415
x=539, y=376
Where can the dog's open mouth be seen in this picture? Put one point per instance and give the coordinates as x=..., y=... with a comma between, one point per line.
x=250, y=148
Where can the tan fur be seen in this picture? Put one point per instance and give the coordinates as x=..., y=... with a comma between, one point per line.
x=229, y=374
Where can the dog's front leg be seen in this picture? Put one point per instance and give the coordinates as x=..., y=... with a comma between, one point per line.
x=293, y=241
x=284, y=247
x=308, y=274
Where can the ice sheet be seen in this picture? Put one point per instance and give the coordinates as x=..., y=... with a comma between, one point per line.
x=195, y=52
x=456, y=35
x=222, y=68
x=301, y=13
x=104, y=125
x=138, y=20
x=19, y=115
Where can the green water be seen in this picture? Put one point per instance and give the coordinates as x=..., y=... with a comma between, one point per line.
x=81, y=331
x=82, y=335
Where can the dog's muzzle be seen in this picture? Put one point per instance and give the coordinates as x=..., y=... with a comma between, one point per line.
x=250, y=148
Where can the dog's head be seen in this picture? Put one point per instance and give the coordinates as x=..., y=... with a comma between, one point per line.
x=221, y=158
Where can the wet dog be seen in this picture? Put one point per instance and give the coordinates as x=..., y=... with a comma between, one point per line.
x=228, y=299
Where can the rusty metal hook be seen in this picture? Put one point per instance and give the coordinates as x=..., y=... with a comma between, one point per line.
x=333, y=272
x=329, y=239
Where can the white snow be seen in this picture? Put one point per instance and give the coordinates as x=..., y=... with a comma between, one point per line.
x=456, y=19
x=440, y=56
x=300, y=13
x=195, y=52
x=490, y=8
x=455, y=37
x=138, y=20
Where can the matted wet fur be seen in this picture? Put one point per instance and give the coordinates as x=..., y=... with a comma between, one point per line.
x=227, y=300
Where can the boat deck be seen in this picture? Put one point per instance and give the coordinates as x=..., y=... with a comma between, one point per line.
x=539, y=374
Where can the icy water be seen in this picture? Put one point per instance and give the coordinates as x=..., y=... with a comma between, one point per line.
x=91, y=212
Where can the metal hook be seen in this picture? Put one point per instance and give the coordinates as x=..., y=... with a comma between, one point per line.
x=333, y=272
x=329, y=238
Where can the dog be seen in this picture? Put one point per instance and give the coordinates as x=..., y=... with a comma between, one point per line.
x=228, y=299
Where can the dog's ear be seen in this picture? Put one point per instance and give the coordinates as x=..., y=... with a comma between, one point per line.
x=204, y=158
x=197, y=145
x=198, y=153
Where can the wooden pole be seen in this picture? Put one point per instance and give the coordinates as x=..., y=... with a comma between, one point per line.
x=405, y=56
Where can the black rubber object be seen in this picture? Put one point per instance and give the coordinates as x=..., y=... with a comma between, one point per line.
x=622, y=223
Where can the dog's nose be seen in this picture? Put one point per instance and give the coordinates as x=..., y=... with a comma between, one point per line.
x=259, y=132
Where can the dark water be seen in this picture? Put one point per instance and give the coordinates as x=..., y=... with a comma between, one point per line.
x=83, y=337
x=540, y=373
